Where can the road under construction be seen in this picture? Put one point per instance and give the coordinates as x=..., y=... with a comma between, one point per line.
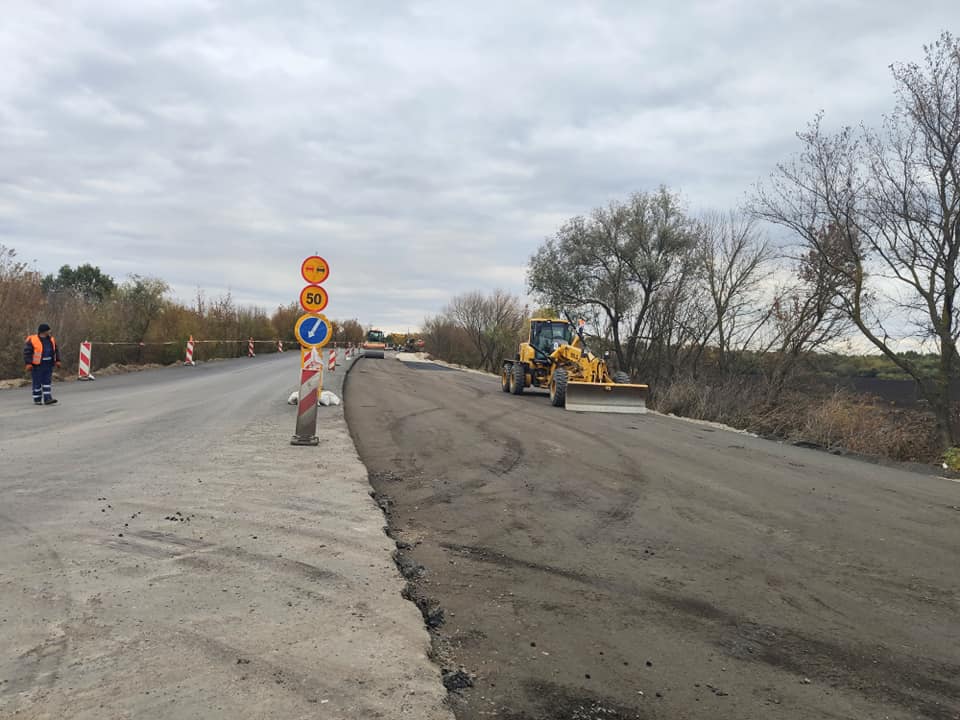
x=168, y=554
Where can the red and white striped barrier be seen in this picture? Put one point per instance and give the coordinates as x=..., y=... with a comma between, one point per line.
x=311, y=373
x=279, y=345
x=86, y=353
x=332, y=363
x=188, y=359
x=250, y=352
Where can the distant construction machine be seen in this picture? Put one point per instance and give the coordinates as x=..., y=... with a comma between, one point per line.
x=375, y=344
x=555, y=358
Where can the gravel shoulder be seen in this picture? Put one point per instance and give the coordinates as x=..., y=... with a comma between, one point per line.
x=167, y=554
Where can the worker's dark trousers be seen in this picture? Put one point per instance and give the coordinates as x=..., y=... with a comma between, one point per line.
x=42, y=382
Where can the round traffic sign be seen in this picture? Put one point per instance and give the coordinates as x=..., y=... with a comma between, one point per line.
x=313, y=298
x=315, y=270
x=313, y=330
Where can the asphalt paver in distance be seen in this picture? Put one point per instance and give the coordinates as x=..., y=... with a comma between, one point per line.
x=582, y=566
x=167, y=554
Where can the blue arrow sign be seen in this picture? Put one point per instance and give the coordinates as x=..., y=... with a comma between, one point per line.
x=312, y=330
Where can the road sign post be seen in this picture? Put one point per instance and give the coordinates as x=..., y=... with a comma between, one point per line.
x=312, y=331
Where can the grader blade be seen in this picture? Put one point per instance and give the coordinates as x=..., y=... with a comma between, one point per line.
x=607, y=397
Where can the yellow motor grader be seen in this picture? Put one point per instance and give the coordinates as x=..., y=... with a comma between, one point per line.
x=555, y=358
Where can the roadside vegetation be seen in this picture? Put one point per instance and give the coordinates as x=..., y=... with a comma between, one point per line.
x=138, y=316
x=725, y=324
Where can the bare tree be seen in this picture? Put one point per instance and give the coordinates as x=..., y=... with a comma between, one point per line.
x=492, y=322
x=731, y=255
x=803, y=318
x=881, y=210
x=446, y=340
x=469, y=312
x=676, y=326
x=348, y=331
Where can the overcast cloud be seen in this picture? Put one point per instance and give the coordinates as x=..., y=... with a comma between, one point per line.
x=424, y=148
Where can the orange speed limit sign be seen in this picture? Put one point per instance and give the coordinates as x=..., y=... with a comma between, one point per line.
x=315, y=270
x=313, y=298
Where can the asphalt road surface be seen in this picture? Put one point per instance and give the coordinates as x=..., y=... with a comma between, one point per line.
x=165, y=553
x=584, y=566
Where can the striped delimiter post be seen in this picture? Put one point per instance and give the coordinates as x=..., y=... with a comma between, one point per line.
x=310, y=375
x=86, y=354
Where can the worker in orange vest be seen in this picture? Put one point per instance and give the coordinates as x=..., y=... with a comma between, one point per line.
x=40, y=355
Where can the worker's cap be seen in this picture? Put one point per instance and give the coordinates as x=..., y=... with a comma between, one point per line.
x=43, y=328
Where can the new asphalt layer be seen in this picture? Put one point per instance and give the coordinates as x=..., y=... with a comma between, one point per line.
x=579, y=566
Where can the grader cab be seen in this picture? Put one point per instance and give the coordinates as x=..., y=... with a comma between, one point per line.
x=555, y=358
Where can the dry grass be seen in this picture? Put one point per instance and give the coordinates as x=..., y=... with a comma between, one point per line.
x=839, y=420
x=733, y=403
x=858, y=424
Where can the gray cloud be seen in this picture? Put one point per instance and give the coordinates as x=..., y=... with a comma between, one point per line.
x=425, y=148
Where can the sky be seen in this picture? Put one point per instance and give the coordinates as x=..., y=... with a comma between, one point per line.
x=425, y=149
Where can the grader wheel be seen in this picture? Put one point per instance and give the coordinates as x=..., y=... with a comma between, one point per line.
x=517, y=379
x=558, y=388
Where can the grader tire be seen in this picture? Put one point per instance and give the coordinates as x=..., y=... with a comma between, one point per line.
x=517, y=379
x=558, y=388
x=505, y=373
x=621, y=378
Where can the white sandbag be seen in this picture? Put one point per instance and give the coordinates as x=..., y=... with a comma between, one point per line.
x=327, y=398
x=294, y=398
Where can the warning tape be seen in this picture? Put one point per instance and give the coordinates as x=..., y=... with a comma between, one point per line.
x=133, y=344
x=86, y=349
x=178, y=342
x=114, y=343
x=245, y=340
